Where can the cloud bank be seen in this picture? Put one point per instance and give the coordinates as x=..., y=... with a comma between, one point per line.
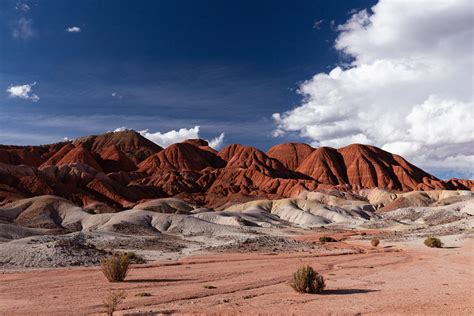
x=408, y=88
x=23, y=92
x=177, y=136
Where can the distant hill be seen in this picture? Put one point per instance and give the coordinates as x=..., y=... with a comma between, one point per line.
x=121, y=169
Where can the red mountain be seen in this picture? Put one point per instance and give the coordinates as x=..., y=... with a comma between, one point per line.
x=325, y=165
x=121, y=169
x=291, y=155
x=113, y=159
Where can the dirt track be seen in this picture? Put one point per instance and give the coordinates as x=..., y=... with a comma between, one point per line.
x=412, y=279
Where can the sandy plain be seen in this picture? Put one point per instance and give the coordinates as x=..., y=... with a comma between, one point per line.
x=398, y=277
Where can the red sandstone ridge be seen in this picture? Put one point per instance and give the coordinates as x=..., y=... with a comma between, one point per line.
x=182, y=156
x=250, y=158
x=113, y=159
x=326, y=165
x=461, y=184
x=372, y=167
x=121, y=169
x=135, y=146
x=79, y=155
x=291, y=155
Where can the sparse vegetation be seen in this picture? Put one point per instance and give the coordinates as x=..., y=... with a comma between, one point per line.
x=327, y=239
x=306, y=280
x=115, y=268
x=209, y=287
x=112, y=300
x=374, y=241
x=433, y=242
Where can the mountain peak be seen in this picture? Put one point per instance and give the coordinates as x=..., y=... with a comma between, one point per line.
x=130, y=142
x=291, y=155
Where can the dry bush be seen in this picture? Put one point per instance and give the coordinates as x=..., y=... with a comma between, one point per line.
x=375, y=241
x=115, y=268
x=306, y=280
x=327, y=239
x=112, y=300
x=433, y=242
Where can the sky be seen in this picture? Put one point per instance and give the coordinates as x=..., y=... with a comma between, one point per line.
x=394, y=74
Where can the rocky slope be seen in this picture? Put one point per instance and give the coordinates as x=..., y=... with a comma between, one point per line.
x=118, y=170
x=49, y=231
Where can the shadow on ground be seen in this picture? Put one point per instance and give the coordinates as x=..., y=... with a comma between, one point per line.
x=164, y=312
x=347, y=291
x=156, y=280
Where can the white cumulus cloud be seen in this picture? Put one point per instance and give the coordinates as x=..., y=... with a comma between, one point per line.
x=23, y=92
x=171, y=137
x=408, y=88
x=176, y=136
x=73, y=29
x=217, y=142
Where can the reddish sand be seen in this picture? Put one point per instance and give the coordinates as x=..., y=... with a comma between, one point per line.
x=400, y=279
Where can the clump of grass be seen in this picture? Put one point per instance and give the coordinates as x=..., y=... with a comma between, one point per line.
x=209, y=287
x=143, y=294
x=115, y=268
x=112, y=300
x=306, y=280
x=433, y=242
x=327, y=239
x=374, y=241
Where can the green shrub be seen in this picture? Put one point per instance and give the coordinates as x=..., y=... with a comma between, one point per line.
x=327, y=239
x=115, y=268
x=306, y=280
x=433, y=242
x=374, y=241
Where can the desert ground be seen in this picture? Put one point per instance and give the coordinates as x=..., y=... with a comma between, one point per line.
x=240, y=259
x=395, y=278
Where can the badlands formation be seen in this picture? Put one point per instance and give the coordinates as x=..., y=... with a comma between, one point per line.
x=121, y=169
x=222, y=232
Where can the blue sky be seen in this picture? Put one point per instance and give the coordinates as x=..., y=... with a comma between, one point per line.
x=226, y=66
